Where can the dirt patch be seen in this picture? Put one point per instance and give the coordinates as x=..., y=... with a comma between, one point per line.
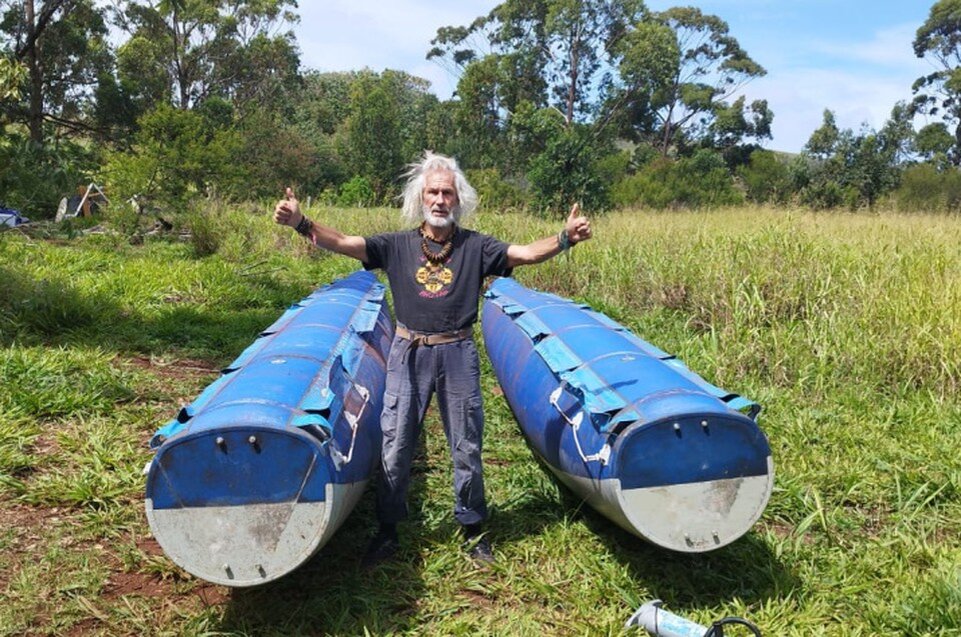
x=188, y=374
x=477, y=600
x=122, y=582
x=46, y=445
x=175, y=368
x=782, y=530
x=89, y=626
x=29, y=522
x=23, y=532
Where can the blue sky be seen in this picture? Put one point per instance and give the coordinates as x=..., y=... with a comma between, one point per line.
x=851, y=56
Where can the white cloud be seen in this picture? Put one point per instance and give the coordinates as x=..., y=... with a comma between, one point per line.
x=340, y=35
x=890, y=48
x=859, y=80
x=800, y=97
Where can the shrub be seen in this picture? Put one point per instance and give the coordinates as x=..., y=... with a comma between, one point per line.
x=177, y=155
x=695, y=182
x=925, y=188
x=357, y=192
x=496, y=192
x=33, y=177
x=567, y=171
x=765, y=177
x=824, y=194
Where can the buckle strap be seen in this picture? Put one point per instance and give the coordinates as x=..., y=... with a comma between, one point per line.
x=442, y=338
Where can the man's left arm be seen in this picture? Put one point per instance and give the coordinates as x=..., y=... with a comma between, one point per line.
x=576, y=229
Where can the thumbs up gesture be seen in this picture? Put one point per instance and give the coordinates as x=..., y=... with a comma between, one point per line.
x=578, y=227
x=287, y=211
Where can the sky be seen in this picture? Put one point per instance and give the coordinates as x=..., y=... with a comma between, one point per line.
x=853, y=57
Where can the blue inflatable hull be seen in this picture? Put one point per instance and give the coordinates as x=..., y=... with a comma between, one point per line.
x=255, y=475
x=645, y=441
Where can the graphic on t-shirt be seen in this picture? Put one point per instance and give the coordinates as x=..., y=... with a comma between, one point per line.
x=435, y=277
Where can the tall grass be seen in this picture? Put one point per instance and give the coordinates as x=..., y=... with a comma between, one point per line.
x=847, y=328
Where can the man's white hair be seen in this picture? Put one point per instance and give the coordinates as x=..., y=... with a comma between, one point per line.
x=413, y=210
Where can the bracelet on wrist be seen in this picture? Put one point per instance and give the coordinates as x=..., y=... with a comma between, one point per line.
x=304, y=227
x=563, y=240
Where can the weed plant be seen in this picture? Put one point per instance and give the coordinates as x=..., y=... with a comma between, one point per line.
x=845, y=327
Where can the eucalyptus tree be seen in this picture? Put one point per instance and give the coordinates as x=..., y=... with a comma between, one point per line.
x=939, y=93
x=549, y=53
x=856, y=168
x=184, y=51
x=934, y=144
x=61, y=46
x=707, y=69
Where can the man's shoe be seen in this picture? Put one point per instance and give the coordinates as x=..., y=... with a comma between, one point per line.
x=481, y=551
x=478, y=546
x=383, y=546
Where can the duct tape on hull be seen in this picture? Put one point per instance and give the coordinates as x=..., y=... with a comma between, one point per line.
x=256, y=474
x=640, y=437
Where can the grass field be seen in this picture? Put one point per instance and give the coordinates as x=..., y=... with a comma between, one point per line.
x=845, y=327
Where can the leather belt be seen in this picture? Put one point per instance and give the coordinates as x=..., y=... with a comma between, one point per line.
x=424, y=338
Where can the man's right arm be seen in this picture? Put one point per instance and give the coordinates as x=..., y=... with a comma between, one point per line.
x=287, y=213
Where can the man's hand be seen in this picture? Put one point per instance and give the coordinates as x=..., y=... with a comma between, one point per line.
x=578, y=228
x=287, y=211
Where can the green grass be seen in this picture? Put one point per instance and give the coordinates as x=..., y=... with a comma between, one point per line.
x=846, y=328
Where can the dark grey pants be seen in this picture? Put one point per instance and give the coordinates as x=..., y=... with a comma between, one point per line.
x=414, y=374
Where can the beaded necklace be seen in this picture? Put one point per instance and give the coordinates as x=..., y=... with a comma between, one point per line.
x=445, y=251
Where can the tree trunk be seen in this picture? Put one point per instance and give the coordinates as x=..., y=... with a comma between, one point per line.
x=955, y=153
x=574, y=73
x=35, y=117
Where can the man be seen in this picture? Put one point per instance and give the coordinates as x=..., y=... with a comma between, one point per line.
x=435, y=273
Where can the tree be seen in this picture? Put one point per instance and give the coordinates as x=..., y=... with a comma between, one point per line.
x=62, y=44
x=12, y=75
x=557, y=53
x=177, y=155
x=855, y=168
x=709, y=69
x=566, y=172
x=939, y=93
x=765, y=177
x=897, y=136
x=735, y=123
x=386, y=127
x=193, y=49
x=934, y=143
x=824, y=139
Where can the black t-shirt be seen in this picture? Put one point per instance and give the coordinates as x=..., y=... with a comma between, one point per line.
x=442, y=297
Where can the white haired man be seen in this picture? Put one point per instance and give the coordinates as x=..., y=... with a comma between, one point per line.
x=436, y=272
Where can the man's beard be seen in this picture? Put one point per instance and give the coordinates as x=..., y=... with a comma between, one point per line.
x=442, y=222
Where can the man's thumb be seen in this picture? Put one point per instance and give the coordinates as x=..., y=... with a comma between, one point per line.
x=575, y=212
x=289, y=193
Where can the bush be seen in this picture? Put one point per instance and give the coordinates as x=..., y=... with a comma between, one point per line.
x=568, y=171
x=33, y=177
x=825, y=194
x=496, y=192
x=124, y=218
x=357, y=192
x=177, y=155
x=925, y=188
x=765, y=177
x=700, y=181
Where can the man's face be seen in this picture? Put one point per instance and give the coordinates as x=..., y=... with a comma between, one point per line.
x=441, y=205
